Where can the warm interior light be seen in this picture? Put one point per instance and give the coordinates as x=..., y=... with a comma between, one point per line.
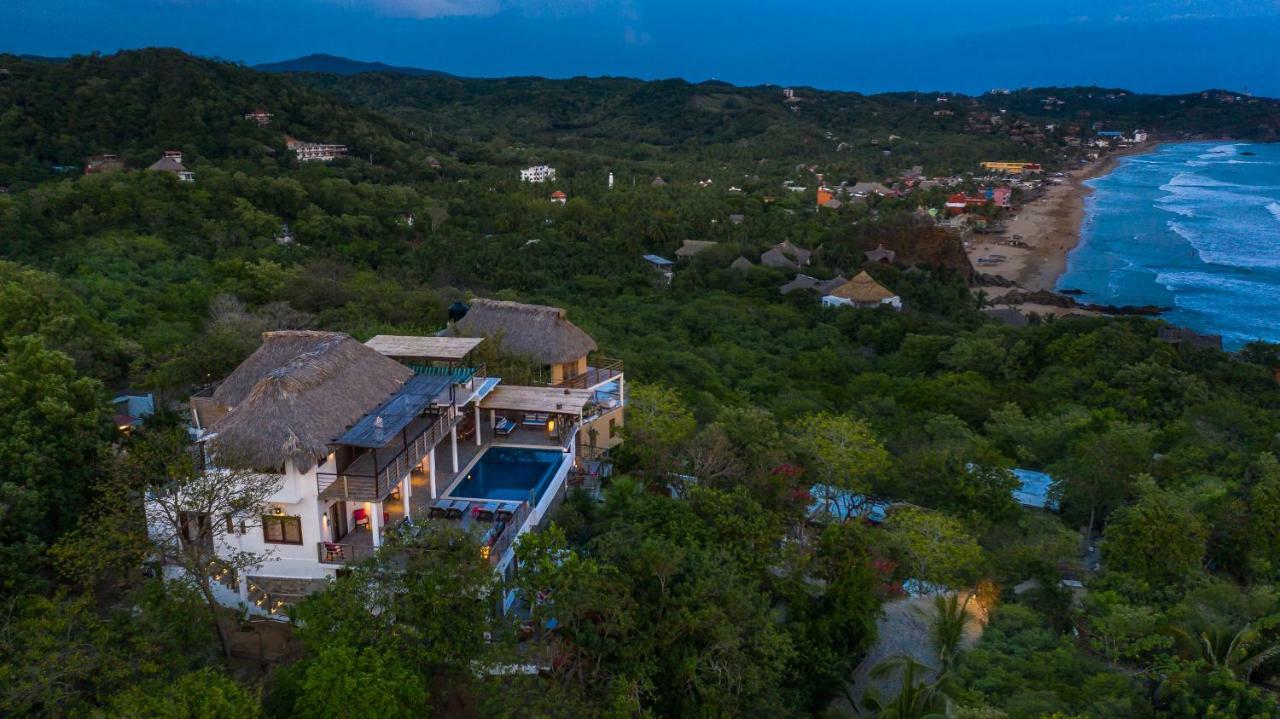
x=551, y=425
x=484, y=552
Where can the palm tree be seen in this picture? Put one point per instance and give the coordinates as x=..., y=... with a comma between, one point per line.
x=915, y=700
x=1239, y=652
x=951, y=614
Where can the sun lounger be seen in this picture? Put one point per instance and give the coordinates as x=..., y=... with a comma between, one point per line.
x=439, y=509
x=455, y=509
x=505, y=512
x=485, y=512
x=504, y=426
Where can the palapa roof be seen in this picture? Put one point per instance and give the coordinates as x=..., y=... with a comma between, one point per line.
x=862, y=289
x=445, y=349
x=537, y=332
x=805, y=282
x=880, y=254
x=693, y=247
x=295, y=394
x=741, y=263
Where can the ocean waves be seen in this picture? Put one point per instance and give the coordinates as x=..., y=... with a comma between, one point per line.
x=1194, y=227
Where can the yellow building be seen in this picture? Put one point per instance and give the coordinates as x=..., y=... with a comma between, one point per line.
x=1013, y=168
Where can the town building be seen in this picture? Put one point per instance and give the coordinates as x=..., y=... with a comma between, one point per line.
x=862, y=291
x=1012, y=168
x=364, y=439
x=559, y=197
x=960, y=203
x=172, y=162
x=1002, y=197
x=130, y=410
x=538, y=173
x=314, y=151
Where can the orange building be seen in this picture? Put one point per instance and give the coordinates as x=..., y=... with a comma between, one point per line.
x=825, y=195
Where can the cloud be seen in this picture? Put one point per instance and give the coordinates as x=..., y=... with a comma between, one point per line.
x=422, y=9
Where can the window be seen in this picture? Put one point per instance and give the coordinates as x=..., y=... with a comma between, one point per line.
x=613, y=427
x=195, y=529
x=278, y=529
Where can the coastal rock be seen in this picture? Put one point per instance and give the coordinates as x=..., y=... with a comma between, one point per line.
x=983, y=279
x=1056, y=299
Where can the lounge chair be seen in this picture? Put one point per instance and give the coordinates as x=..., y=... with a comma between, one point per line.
x=485, y=512
x=505, y=512
x=439, y=509
x=504, y=426
x=455, y=509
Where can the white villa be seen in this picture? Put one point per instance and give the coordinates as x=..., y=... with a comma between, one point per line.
x=538, y=173
x=314, y=151
x=364, y=437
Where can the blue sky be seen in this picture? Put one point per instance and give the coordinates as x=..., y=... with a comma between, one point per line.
x=963, y=45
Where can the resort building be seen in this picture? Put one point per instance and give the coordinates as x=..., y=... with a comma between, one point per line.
x=538, y=173
x=364, y=438
x=314, y=151
x=172, y=162
x=862, y=291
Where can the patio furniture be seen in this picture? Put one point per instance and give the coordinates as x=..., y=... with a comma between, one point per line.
x=504, y=426
x=439, y=509
x=360, y=517
x=505, y=512
x=455, y=509
x=333, y=551
x=485, y=511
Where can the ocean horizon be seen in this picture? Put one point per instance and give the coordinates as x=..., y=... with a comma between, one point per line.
x=1191, y=227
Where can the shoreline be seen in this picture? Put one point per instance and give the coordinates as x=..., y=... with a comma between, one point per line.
x=1050, y=226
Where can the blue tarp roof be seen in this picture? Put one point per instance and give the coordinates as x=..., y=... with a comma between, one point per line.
x=655, y=259
x=1034, y=491
x=378, y=427
x=841, y=504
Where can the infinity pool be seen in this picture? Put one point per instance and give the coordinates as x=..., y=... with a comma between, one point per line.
x=512, y=474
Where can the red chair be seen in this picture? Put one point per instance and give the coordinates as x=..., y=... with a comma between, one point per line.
x=360, y=517
x=333, y=551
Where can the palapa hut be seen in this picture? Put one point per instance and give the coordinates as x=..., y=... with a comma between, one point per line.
x=693, y=247
x=541, y=334
x=862, y=291
x=293, y=396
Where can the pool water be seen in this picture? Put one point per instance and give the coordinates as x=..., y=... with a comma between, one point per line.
x=513, y=474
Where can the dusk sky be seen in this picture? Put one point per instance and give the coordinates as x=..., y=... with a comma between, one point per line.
x=974, y=45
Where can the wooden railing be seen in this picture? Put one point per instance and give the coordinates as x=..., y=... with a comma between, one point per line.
x=375, y=487
x=602, y=370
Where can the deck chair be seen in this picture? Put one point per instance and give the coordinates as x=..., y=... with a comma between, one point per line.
x=455, y=509
x=439, y=509
x=485, y=512
x=504, y=513
x=504, y=426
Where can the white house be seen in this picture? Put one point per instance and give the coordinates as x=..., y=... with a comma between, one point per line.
x=314, y=151
x=538, y=173
x=364, y=438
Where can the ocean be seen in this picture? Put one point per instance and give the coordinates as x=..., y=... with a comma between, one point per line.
x=1192, y=227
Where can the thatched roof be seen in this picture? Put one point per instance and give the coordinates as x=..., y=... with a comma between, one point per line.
x=693, y=247
x=295, y=394
x=862, y=289
x=741, y=263
x=537, y=332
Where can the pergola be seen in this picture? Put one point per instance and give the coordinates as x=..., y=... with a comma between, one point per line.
x=424, y=349
x=549, y=401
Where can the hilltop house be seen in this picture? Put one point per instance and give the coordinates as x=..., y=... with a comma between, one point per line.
x=260, y=116
x=689, y=248
x=172, y=162
x=880, y=254
x=364, y=438
x=103, y=163
x=862, y=291
x=538, y=173
x=558, y=197
x=785, y=255
x=563, y=354
x=314, y=151
x=805, y=282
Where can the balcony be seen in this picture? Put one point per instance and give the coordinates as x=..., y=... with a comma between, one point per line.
x=495, y=524
x=599, y=371
x=374, y=474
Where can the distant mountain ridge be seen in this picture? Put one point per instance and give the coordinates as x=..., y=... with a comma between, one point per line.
x=335, y=65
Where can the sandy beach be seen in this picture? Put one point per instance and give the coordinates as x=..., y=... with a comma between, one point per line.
x=1049, y=226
